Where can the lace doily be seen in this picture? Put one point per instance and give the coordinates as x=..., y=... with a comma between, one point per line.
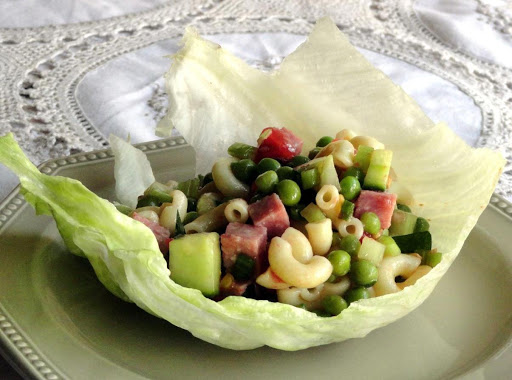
x=40, y=68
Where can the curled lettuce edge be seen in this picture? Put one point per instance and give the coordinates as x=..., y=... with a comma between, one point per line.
x=132, y=171
x=451, y=182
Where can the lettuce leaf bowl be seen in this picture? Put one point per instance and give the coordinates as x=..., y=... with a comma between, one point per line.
x=321, y=88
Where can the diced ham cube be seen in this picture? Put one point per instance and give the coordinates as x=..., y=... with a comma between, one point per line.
x=382, y=204
x=270, y=212
x=247, y=239
x=161, y=233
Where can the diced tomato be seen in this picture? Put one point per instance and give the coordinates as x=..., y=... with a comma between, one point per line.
x=280, y=144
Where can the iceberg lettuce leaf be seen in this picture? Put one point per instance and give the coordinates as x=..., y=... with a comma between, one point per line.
x=132, y=171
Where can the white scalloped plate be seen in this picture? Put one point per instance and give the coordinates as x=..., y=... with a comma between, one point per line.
x=57, y=321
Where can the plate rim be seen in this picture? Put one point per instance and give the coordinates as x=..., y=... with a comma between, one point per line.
x=15, y=346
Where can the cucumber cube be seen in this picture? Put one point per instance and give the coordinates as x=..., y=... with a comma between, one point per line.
x=362, y=157
x=195, y=262
x=392, y=249
x=402, y=223
x=378, y=171
x=371, y=250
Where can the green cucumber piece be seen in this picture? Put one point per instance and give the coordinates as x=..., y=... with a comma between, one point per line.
x=195, y=262
x=432, y=258
x=402, y=223
x=371, y=250
x=392, y=249
x=326, y=171
x=378, y=171
x=347, y=210
x=414, y=242
x=421, y=225
x=312, y=213
x=362, y=157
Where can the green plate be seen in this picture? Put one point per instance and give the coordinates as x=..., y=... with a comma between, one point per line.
x=58, y=322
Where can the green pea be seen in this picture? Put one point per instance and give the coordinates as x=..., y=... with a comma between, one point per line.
x=371, y=222
x=326, y=140
x=298, y=160
x=403, y=207
x=354, y=171
x=421, y=225
x=309, y=178
x=364, y=273
x=340, y=261
x=286, y=172
x=350, y=244
x=289, y=192
x=356, y=294
x=350, y=187
x=267, y=164
x=295, y=211
x=267, y=181
x=313, y=152
x=245, y=170
x=334, y=304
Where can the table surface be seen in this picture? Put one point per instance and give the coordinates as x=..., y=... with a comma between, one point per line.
x=108, y=98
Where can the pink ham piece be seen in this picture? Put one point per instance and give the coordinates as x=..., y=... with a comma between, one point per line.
x=382, y=204
x=269, y=212
x=161, y=233
x=247, y=239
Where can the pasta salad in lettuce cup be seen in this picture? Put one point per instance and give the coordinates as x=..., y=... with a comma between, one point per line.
x=215, y=99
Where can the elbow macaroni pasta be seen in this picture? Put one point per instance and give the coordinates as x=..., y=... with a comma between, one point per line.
x=345, y=134
x=293, y=272
x=320, y=236
x=169, y=210
x=237, y=211
x=353, y=226
x=390, y=267
x=327, y=197
x=312, y=298
x=367, y=141
x=342, y=152
x=226, y=181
